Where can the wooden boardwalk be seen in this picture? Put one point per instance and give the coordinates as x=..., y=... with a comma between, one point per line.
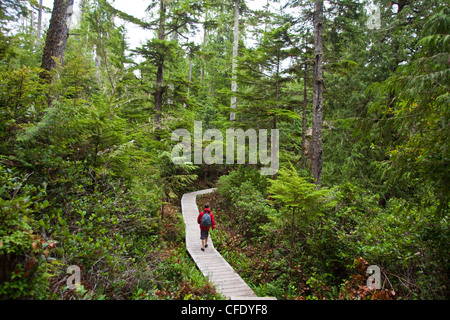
x=210, y=262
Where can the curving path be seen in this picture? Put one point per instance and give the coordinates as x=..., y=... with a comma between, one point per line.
x=210, y=262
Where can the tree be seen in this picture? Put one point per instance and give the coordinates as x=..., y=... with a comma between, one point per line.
x=304, y=115
x=235, y=54
x=159, y=88
x=57, y=35
x=12, y=9
x=263, y=77
x=301, y=198
x=420, y=112
x=173, y=18
x=39, y=30
x=316, y=146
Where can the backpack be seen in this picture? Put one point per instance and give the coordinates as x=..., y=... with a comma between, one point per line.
x=206, y=220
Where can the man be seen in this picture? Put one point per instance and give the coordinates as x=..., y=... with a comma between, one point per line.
x=205, y=220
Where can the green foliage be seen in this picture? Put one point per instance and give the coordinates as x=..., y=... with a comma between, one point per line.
x=21, y=101
x=26, y=267
x=175, y=178
x=178, y=271
x=235, y=179
x=12, y=9
x=245, y=192
x=293, y=191
x=421, y=110
x=95, y=183
x=311, y=254
x=250, y=208
x=158, y=52
x=402, y=239
x=86, y=179
x=262, y=78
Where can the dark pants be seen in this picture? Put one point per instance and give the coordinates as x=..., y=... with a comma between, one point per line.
x=204, y=234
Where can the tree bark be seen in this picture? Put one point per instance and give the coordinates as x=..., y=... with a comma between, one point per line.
x=189, y=82
x=205, y=37
x=317, y=148
x=277, y=88
x=39, y=27
x=171, y=85
x=159, y=90
x=304, y=119
x=235, y=53
x=57, y=35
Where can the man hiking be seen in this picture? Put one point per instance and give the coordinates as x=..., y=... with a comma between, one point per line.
x=205, y=220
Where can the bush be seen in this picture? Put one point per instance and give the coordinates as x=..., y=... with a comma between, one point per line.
x=25, y=265
x=318, y=243
x=245, y=191
x=409, y=245
x=235, y=179
x=250, y=210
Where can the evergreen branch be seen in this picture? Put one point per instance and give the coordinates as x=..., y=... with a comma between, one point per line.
x=124, y=16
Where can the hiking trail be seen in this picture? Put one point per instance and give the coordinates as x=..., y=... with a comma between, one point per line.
x=210, y=262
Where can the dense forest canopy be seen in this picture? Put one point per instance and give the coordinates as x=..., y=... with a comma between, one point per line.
x=355, y=93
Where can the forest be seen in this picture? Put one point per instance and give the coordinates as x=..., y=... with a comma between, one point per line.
x=354, y=97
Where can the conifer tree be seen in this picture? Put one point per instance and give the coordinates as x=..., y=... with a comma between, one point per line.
x=317, y=149
x=235, y=54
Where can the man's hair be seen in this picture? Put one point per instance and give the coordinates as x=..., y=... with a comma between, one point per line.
x=206, y=206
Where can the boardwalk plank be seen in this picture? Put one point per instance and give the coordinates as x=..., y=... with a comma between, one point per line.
x=210, y=262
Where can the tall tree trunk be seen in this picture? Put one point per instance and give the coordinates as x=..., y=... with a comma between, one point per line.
x=159, y=90
x=277, y=89
x=189, y=82
x=235, y=53
x=32, y=23
x=39, y=26
x=57, y=35
x=304, y=119
x=317, y=148
x=171, y=85
x=205, y=38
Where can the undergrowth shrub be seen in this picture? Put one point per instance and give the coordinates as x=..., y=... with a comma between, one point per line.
x=322, y=251
x=227, y=184
x=25, y=265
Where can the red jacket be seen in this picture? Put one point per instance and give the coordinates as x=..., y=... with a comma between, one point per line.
x=199, y=220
